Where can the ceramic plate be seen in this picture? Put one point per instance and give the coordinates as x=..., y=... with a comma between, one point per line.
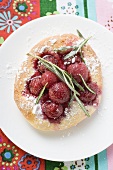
x=86, y=139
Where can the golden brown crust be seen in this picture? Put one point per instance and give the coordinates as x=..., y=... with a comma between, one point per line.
x=26, y=71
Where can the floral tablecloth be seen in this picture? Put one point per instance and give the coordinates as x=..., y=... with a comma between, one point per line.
x=15, y=13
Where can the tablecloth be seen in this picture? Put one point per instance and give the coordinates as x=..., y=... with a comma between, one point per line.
x=15, y=13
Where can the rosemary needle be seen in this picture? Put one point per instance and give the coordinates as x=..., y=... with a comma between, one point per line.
x=41, y=94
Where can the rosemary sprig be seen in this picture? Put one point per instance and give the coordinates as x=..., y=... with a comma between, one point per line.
x=86, y=85
x=69, y=83
x=80, y=34
x=81, y=105
x=41, y=94
x=77, y=84
x=76, y=49
x=82, y=56
x=64, y=76
x=59, y=73
x=72, y=48
x=71, y=99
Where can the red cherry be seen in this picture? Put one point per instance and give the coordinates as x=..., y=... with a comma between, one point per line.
x=76, y=69
x=59, y=93
x=87, y=96
x=49, y=77
x=52, y=110
x=35, y=86
x=42, y=68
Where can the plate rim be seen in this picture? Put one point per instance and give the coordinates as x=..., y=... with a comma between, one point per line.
x=56, y=159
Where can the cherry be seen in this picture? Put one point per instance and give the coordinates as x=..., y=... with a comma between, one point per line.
x=49, y=77
x=76, y=69
x=52, y=110
x=59, y=93
x=35, y=86
x=87, y=96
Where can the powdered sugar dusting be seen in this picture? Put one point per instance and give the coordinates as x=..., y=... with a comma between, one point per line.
x=69, y=112
x=92, y=64
x=53, y=41
x=29, y=104
x=70, y=62
x=26, y=106
x=79, y=42
x=42, y=49
x=30, y=98
x=24, y=70
x=36, y=50
x=73, y=60
x=37, y=109
x=67, y=63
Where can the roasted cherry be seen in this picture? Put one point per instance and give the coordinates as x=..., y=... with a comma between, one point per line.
x=87, y=96
x=35, y=86
x=52, y=110
x=59, y=93
x=76, y=69
x=49, y=77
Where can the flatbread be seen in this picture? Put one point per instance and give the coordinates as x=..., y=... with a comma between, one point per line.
x=26, y=104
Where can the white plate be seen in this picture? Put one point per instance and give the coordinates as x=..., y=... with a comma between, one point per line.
x=86, y=139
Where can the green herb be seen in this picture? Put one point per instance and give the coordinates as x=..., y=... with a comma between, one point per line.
x=71, y=98
x=86, y=84
x=58, y=72
x=77, y=84
x=80, y=35
x=82, y=56
x=64, y=76
x=76, y=49
x=69, y=82
x=81, y=105
x=41, y=94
